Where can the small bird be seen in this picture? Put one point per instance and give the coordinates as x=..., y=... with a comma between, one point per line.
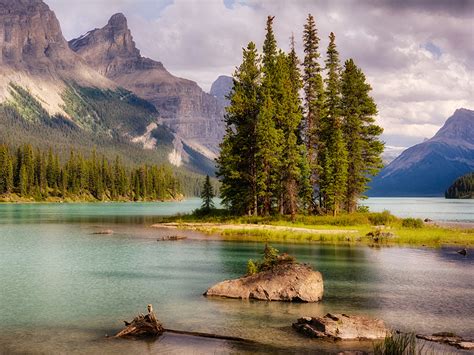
x=463, y=252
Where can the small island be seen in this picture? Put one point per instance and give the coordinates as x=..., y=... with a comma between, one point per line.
x=278, y=277
x=462, y=187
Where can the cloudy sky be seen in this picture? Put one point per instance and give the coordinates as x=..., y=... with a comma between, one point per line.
x=418, y=55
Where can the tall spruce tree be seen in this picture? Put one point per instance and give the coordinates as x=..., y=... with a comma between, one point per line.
x=332, y=152
x=314, y=106
x=207, y=195
x=293, y=157
x=236, y=165
x=361, y=134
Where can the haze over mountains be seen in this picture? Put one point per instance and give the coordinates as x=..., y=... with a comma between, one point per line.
x=98, y=90
x=429, y=168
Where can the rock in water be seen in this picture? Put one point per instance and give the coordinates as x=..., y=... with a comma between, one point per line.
x=342, y=327
x=285, y=282
x=142, y=326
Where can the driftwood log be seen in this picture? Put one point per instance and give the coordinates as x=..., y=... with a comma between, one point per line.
x=149, y=326
x=142, y=326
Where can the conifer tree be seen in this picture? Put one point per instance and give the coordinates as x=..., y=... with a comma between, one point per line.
x=207, y=195
x=236, y=165
x=361, y=134
x=314, y=105
x=332, y=151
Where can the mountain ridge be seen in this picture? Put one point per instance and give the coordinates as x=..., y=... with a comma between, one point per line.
x=194, y=115
x=428, y=168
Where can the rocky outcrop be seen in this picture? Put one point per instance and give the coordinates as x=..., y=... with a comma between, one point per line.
x=342, y=327
x=183, y=106
x=285, y=282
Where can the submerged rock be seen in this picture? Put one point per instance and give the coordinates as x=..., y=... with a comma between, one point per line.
x=285, y=282
x=449, y=339
x=105, y=232
x=170, y=237
x=342, y=327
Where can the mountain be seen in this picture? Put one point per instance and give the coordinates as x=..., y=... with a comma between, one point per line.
x=221, y=88
x=51, y=97
x=429, y=168
x=194, y=115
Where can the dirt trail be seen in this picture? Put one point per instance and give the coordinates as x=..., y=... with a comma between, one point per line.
x=220, y=226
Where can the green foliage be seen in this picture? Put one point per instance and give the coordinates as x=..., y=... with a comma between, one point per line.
x=207, y=194
x=412, y=223
x=381, y=219
x=278, y=158
x=397, y=344
x=252, y=268
x=37, y=175
x=462, y=187
x=270, y=259
x=361, y=134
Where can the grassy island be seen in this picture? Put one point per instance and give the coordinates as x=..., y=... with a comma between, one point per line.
x=367, y=228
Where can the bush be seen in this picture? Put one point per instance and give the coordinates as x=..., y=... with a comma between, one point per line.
x=412, y=223
x=382, y=218
x=271, y=258
x=363, y=209
x=252, y=268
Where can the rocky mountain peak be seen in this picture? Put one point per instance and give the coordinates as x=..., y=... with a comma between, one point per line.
x=111, y=49
x=460, y=126
x=118, y=21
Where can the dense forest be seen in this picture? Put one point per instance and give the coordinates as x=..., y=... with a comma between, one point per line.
x=284, y=154
x=39, y=175
x=462, y=187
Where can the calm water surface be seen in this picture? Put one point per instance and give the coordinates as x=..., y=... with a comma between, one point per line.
x=63, y=288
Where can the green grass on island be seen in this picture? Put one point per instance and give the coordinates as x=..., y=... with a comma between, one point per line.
x=368, y=228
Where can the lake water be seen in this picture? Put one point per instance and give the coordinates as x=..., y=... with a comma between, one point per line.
x=63, y=288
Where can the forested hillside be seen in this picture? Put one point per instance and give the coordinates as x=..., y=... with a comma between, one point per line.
x=462, y=187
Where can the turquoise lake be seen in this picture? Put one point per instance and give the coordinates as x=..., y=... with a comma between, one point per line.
x=63, y=288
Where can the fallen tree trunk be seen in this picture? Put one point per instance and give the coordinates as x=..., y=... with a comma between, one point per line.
x=149, y=326
x=142, y=326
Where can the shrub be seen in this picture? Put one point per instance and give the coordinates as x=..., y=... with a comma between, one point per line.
x=382, y=218
x=252, y=267
x=363, y=209
x=412, y=223
x=271, y=258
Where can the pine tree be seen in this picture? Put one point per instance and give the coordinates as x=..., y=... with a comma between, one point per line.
x=361, y=134
x=290, y=122
x=314, y=106
x=207, y=195
x=332, y=150
x=236, y=165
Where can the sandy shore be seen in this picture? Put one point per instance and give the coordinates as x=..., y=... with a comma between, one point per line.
x=220, y=226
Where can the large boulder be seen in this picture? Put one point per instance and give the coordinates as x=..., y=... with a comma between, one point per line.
x=342, y=327
x=285, y=282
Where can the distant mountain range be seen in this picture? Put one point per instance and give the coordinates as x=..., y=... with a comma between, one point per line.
x=98, y=91
x=429, y=168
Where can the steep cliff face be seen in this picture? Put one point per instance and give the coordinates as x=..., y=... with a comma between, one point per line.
x=182, y=105
x=35, y=54
x=428, y=168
